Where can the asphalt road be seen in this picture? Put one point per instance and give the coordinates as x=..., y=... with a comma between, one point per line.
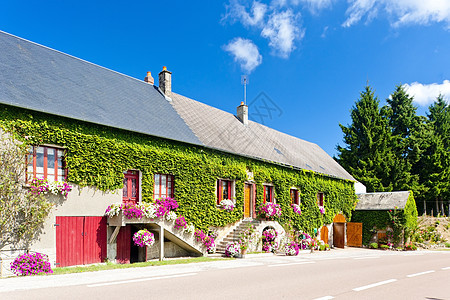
x=337, y=274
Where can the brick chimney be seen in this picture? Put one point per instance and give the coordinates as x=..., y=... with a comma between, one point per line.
x=165, y=82
x=149, y=78
x=242, y=113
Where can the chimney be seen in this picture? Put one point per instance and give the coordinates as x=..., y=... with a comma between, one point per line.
x=149, y=78
x=242, y=113
x=165, y=82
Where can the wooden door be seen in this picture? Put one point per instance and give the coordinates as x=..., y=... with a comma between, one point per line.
x=124, y=245
x=338, y=235
x=247, y=200
x=354, y=234
x=131, y=187
x=324, y=234
x=69, y=241
x=94, y=240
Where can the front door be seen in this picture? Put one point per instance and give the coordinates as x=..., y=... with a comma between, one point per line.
x=338, y=235
x=131, y=187
x=247, y=200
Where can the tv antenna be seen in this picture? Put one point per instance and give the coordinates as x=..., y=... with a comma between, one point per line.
x=244, y=81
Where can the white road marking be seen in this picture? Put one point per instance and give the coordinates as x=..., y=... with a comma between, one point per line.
x=373, y=285
x=141, y=279
x=446, y=268
x=291, y=264
x=367, y=257
x=325, y=298
x=421, y=273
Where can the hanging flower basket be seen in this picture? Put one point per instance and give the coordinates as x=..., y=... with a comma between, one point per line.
x=144, y=238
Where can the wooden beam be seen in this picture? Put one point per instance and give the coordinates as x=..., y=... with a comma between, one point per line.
x=114, y=234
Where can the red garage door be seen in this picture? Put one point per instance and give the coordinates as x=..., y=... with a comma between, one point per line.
x=80, y=240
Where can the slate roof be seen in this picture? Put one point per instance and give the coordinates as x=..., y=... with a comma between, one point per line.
x=221, y=130
x=42, y=79
x=35, y=77
x=382, y=201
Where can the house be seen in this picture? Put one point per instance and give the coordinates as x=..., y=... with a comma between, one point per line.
x=119, y=139
x=374, y=211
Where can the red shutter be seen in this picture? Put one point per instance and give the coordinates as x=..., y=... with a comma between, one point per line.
x=219, y=191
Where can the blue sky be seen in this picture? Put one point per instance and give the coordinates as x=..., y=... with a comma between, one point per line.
x=307, y=60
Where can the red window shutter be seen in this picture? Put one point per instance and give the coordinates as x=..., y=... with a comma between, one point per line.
x=219, y=191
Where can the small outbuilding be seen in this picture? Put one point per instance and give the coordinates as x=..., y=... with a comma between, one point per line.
x=377, y=210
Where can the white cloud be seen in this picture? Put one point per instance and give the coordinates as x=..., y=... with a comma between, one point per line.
x=425, y=94
x=401, y=12
x=282, y=31
x=237, y=11
x=245, y=53
x=313, y=5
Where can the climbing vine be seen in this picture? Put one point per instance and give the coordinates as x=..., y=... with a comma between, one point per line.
x=98, y=155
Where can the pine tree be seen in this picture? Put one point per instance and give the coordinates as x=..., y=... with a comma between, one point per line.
x=407, y=144
x=435, y=161
x=367, y=154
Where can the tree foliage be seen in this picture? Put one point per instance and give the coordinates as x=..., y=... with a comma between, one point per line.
x=21, y=212
x=392, y=148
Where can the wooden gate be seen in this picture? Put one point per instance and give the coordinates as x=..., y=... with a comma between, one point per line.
x=354, y=234
x=80, y=240
x=338, y=235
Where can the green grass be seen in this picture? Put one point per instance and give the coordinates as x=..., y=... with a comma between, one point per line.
x=112, y=266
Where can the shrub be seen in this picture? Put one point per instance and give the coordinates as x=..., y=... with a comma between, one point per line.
x=447, y=245
x=31, y=264
x=384, y=247
x=373, y=246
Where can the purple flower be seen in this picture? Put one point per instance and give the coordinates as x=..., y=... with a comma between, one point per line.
x=31, y=264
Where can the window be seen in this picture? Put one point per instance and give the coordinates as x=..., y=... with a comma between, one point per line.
x=163, y=186
x=268, y=193
x=295, y=199
x=224, y=190
x=320, y=199
x=131, y=187
x=47, y=163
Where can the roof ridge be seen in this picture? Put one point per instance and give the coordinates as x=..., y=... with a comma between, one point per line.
x=71, y=56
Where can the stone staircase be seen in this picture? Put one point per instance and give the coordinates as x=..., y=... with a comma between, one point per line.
x=234, y=234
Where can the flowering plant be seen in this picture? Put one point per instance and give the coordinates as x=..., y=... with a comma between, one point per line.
x=268, y=238
x=227, y=205
x=42, y=186
x=322, y=210
x=180, y=222
x=113, y=210
x=247, y=236
x=270, y=210
x=232, y=249
x=149, y=210
x=305, y=241
x=189, y=228
x=291, y=249
x=296, y=209
x=171, y=216
x=31, y=264
x=208, y=241
x=144, y=238
x=131, y=211
x=166, y=205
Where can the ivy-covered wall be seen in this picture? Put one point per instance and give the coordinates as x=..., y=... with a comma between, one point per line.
x=380, y=219
x=98, y=155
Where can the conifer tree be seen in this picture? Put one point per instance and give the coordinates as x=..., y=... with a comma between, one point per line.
x=367, y=154
x=435, y=161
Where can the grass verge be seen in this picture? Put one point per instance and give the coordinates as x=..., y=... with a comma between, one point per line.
x=112, y=266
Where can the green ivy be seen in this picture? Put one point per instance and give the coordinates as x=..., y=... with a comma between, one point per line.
x=97, y=156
